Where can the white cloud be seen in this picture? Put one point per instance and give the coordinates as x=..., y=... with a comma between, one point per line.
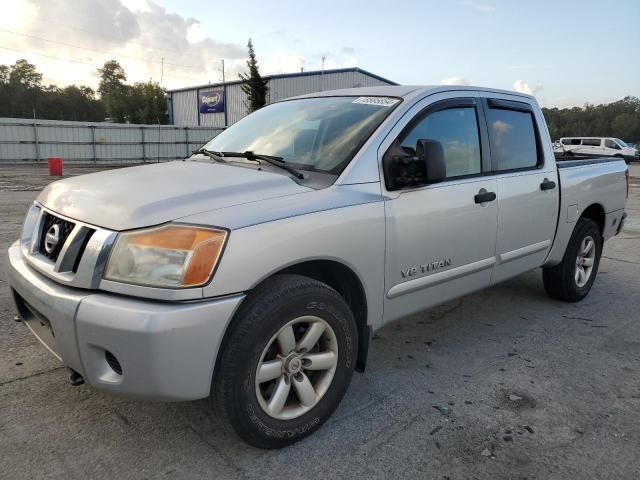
x=17, y=16
x=339, y=61
x=138, y=5
x=281, y=62
x=196, y=33
x=69, y=39
x=523, y=87
x=454, y=81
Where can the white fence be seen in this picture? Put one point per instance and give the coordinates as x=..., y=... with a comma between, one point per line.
x=25, y=140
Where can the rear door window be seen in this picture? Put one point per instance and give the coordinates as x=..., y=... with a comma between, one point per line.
x=513, y=139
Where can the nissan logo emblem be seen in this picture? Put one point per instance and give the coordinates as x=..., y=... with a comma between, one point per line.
x=52, y=238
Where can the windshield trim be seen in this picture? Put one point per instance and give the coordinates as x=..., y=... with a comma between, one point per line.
x=338, y=169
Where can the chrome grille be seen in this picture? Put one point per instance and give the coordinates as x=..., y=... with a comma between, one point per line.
x=64, y=229
x=78, y=257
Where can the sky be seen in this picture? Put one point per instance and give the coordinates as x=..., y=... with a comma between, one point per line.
x=564, y=52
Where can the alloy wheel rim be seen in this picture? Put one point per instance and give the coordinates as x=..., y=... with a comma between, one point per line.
x=296, y=367
x=585, y=261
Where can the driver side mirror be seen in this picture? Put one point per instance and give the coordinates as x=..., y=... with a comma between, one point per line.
x=402, y=170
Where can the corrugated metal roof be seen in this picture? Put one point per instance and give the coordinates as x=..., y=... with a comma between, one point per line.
x=291, y=75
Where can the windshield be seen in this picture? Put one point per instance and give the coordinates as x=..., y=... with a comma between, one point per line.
x=320, y=134
x=620, y=142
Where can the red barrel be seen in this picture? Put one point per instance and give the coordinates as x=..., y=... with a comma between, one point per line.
x=55, y=166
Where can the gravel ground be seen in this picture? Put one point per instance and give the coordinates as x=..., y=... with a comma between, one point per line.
x=525, y=387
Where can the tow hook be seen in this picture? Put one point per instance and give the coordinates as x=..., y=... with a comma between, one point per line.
x=75, y=378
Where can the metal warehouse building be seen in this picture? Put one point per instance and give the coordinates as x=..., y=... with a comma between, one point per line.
x=219, y=105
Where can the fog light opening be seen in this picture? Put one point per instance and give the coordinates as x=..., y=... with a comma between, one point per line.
x=113, y=362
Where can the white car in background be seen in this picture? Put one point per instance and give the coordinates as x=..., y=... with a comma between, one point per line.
x=596, y=146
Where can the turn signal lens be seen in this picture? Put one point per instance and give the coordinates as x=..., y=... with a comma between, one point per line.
x=170, y=256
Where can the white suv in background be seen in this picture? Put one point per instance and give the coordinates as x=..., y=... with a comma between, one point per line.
x=596, y=146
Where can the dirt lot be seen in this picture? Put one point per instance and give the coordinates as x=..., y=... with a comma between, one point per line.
x=526, y=387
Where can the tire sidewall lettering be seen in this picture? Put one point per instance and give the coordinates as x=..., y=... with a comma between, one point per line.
x=344, y=326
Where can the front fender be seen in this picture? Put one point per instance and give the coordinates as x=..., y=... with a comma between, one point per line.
x=352, y=235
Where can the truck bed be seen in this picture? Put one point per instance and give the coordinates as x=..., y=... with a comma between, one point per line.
x=575, y=161
x=598, y=183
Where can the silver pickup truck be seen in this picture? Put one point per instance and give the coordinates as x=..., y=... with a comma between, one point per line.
x=255, y=272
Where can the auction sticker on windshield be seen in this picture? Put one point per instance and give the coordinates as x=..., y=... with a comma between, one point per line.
x=380, y=101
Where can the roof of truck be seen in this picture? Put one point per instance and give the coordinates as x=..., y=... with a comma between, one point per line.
x=404, y=91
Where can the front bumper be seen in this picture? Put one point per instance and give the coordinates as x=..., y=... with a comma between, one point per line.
x=166, y=351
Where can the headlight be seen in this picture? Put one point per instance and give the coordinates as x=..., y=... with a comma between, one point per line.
x=29, y=225
x=170, y=256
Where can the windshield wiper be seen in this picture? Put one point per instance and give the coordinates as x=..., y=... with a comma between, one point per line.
x=210, y=154
x=275, y=161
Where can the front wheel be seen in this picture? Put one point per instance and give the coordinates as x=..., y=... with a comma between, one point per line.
x=286, y=362
x=572, y=279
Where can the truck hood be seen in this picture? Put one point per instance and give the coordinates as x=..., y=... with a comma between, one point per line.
x=148, y=195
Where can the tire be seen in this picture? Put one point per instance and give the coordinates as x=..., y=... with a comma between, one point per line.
x=254, y=343
x=563, y=281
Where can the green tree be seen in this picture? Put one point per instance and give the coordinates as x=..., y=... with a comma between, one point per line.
x=616, y=119
x=254, y=86
x=112, y=78
x=25, y=74
x=4, y=74
x=147, y=103
x=79, y=103
x=113, y=91
x=20, y=89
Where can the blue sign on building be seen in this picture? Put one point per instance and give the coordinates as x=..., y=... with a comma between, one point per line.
x=212, y=101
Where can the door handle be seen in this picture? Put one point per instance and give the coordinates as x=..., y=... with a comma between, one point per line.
x=547, y=185
x=483, y=196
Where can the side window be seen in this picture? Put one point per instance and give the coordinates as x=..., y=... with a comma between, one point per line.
x=611, y=144
x=457, y=130
x=591, y=142
x=513, y=138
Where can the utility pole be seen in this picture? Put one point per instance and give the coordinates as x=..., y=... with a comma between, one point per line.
x=35, y=135
x=161, y=70
x=224, y=94
x=322, y=75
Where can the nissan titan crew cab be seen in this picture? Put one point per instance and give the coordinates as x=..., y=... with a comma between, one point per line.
x=255, y=272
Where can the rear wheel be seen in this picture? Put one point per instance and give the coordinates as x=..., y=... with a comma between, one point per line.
x=572, y=279
x=287, y=361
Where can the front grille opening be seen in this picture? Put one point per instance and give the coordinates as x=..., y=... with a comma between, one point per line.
x=113, y=362
x=47, y=248
x=83, y=247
